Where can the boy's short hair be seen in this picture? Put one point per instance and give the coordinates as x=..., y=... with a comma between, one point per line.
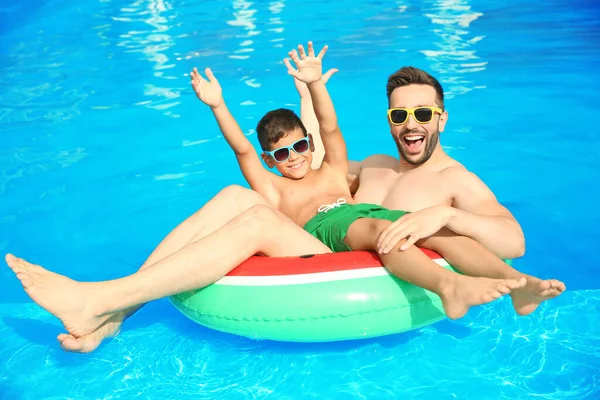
x=275, y=125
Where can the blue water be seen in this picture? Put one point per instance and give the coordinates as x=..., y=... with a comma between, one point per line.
x=104, y=149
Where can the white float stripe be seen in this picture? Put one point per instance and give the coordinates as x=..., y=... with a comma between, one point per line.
x=300, y=279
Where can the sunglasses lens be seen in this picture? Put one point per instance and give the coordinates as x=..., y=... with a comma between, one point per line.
x=423, y=114
x=398, y=116
x=281, y=154
x=301, y=146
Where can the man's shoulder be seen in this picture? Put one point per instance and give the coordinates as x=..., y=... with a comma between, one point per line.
x=461, y=179
x=450, y=168
x=454, y=170
x=380, y=161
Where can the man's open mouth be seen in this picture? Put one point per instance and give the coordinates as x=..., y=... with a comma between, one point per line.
x=413, y=142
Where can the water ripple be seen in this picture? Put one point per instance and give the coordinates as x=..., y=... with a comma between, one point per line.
x=105, y=148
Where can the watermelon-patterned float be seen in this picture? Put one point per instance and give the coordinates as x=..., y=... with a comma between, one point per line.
x=316, y=298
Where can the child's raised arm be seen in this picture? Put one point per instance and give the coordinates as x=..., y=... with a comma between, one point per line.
x=210, y=93
x=310, y=71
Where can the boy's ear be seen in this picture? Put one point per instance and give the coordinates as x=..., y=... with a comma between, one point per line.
x=312, y=143
x=268, y=160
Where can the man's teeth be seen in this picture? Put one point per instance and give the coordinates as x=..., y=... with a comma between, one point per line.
x=416, y=137
x=296, y=166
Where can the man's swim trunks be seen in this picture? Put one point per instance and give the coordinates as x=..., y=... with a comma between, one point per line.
x=331, y=225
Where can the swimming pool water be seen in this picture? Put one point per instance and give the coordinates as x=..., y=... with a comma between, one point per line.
x=104, y=148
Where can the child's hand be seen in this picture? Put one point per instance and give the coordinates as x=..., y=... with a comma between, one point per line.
x=310, y=68
x=209, y=92
x=303, y=89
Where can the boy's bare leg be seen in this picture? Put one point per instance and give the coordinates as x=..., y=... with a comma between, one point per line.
x=473, y=259
x=82, y=307
x=226, y=205
x=458, y=292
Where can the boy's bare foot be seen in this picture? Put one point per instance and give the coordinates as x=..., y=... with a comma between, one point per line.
x=465, y=292
x=528, y=298
x=66, y=299
x=89, y=342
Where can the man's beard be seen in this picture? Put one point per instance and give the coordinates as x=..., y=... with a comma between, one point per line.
x=430, y=145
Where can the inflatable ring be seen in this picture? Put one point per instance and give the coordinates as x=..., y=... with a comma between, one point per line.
x=315, y=298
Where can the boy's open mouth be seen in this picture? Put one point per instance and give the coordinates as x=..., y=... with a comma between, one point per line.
x=296, y=166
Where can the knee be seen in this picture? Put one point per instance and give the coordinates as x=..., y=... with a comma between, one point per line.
x=379, y=226
x=242, y=195
x=234, y=191
x=364, y=235
x=260, y=218
x=376, y=226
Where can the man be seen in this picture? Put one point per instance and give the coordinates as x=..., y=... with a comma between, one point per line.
x=439, y=191
x=441, y=194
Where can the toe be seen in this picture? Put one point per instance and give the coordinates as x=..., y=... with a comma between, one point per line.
x=504, y=289
x=518, y=283
x=61, y=338
x=545, y=285
x=496, y=295
x=25, y=281
x=18, y=262
x=70, y=343
x=513, y=283
x=11, y=261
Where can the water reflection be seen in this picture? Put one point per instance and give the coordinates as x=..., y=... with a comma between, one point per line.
x=276, y=7
x=155, y=44
x=243, y=16
x=454, y=57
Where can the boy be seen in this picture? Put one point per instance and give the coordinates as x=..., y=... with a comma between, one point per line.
x=320, y=200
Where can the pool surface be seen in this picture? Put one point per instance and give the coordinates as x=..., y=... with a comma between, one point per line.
x=105, y=148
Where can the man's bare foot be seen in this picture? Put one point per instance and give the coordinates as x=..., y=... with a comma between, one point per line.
x=66, y=299
x=528, y=298
x=88, y=343
x=465, y=292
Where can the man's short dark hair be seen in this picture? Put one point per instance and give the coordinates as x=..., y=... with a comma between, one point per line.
x=414, y=76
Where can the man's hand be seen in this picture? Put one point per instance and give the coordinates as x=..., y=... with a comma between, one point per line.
x=414, y=226
x=209, y=92
x=310, y=68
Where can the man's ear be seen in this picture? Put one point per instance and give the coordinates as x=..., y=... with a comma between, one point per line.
x=312, y=143
x=268, y=160
x=443, y=121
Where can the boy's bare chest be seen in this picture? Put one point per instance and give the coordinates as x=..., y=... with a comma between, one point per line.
x=300, y=200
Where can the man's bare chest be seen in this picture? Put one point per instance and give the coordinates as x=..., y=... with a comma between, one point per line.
x=411, y=191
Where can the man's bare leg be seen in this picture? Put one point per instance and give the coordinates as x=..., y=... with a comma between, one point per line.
x=458, y=292
x=83, y=307
x=226, y=205
x=473, y=259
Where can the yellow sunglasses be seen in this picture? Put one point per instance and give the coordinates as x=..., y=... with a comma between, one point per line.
x=423, y=115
